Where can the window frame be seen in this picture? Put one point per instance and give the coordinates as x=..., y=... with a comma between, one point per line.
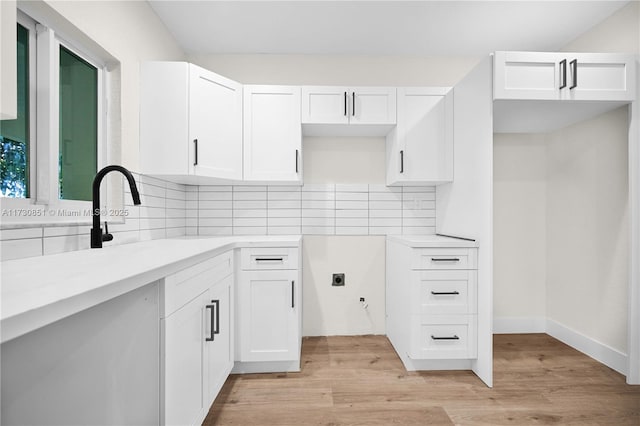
x=44, y=205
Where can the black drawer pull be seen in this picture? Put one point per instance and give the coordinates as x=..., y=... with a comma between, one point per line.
x=454, y=337
x=444, y=293
x=445, y=259
x=269, y=259
x=213, y=333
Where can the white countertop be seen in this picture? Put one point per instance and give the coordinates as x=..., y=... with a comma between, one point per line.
x=435, y=241
x=38, y=291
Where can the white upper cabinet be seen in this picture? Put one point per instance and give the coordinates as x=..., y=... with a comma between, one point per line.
x=190, y=122
x=564, y=76
x=373, y=108
x=420, y=147
x=272, y=134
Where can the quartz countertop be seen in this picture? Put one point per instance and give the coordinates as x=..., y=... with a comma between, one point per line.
x=435, y=241
x=38, y=291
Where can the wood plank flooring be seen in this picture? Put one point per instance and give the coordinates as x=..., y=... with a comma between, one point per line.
x=361, y=381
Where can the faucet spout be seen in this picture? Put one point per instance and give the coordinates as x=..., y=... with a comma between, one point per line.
x=97, y=236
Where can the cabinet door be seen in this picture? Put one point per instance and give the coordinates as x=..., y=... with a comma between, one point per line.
x=599, y=76
x=184, y=338
x=269, y=309
x=215, y=125
x=219, y=353
x=420, y=149
x=325, y=105
x=272, y=134
x=373, y=105
x=527, y=75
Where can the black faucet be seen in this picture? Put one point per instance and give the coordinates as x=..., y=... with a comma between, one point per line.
x=97, y=237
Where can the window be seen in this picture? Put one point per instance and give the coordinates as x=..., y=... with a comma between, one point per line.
x=14, y=134
x=51, y=152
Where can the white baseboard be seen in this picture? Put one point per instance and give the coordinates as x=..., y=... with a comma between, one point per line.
x=610, y=357
x=516, y=325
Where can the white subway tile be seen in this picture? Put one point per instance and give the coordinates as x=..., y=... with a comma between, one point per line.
x=283, y=230
x=251, y=221
x=410, y=230
x=271, y=196
x=175, y=186
x=242, y=195
x=191, y=231
x=191, y=196
x=150, y=201
x=414, y=214
x=125, y=237
x=284, y=221
x=215, y=196
x=152, y=212
x=385, y=222
x=284, y=188
x=249, y=204
x=215, y=213
x=215, y=230
x=215, y=188
x=191, y=222
x=318, y=230
x=144, y=179
x=153, y=234
x=175, y=204
x=176, y=232
x=418, y=205
x=385, y=205
x=218, y=222
x=406, y=189
x=318, y=221
x=249, y=188
x=385, y=196
x=250, y=213
x=173, y=194
x=383, y=188
x=147, y=190
x=414, y=222
x=284, y=213
x=18, y=249
x=316, y=204
x=318, y=213
x=340, y=204
x=63, y=244
x=250, y=230
x=177, y=222
x=352, y=196
x=353, y=213
x=215, y=204
x=385, y=213
x=20, y=233
x=283, y=204
x=351, y=221
x=152, y=223
x=327, y=196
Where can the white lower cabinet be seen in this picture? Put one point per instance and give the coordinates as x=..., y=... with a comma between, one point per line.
x=269, y=329
x=432, y=305
x=196, y=339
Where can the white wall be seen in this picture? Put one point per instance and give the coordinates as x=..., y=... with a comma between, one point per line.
x=337, y=310
x=588, y=228
x=519, y=194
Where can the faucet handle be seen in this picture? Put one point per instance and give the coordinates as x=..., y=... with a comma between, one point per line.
x=106, y=236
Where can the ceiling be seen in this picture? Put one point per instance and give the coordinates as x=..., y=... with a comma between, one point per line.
x=378, y=27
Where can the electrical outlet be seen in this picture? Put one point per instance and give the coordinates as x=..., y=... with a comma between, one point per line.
x=338, y=280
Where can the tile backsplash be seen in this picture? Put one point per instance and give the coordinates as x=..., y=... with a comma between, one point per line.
x=173, y=210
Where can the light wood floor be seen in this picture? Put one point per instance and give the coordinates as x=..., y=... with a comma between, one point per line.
x=361, y=381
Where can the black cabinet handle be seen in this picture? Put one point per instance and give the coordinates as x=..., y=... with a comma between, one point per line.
x=353, y=103
x=293, y=294
x=563, y=73
x=444, y=293
x=401, y=161
x=345, y=104
x=217, y=304
x=212, y=335
x=269, y=259
x=445, y=259
x=574, y=74
x=454, y=337
x=195, y=159
x=296, y=161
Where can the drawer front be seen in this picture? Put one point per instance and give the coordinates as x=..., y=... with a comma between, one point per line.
x=183, y=286
x=444, y=258
x=443, y=337
x=269, y=258
x=444, y=292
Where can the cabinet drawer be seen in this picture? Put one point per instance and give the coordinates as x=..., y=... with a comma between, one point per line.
x=443, y=337
x=442, y=292
x=183, y=286
x=269, y=258
x=444, y=258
